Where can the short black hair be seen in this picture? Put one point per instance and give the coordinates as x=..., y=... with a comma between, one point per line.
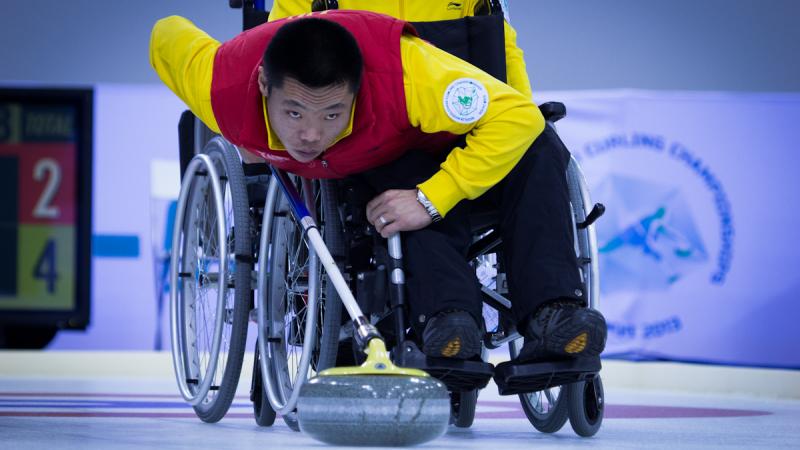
x=315, y=52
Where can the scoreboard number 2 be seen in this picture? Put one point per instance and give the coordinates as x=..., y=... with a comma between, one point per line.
x=48, y=169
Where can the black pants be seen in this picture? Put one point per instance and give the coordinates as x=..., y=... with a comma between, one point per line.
x=533, y=215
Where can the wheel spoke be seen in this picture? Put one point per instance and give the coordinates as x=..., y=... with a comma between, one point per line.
x=549, y=394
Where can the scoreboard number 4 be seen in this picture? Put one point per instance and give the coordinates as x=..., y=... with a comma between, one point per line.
x=45, y=269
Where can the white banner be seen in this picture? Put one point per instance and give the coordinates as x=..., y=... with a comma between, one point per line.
x=698, y=252
x=698, y=256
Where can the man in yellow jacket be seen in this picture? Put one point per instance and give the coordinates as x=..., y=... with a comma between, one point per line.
x=348, y=93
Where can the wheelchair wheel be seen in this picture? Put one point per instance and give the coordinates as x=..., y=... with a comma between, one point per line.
x=301, y=311
x=585, y=238
x=209, y=286
x=586, y=406
x=546, y=410
x=463, y=408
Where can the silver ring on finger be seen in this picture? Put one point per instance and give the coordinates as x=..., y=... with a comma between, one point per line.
x=382, y=220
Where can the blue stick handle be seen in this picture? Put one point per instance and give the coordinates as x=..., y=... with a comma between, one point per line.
x=298, y=207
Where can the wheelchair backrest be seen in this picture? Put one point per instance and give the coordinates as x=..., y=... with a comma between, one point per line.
x=479, y=40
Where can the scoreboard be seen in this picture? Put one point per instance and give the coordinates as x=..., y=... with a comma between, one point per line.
x=45, y=206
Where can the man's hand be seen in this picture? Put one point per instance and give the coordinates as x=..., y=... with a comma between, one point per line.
x=397, y=210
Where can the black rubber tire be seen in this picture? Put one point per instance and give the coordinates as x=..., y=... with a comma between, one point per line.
x=262, y=410
x=333, y=235
x=463, y=405
x=586, y=401
x=229, y=163
x=549, y=422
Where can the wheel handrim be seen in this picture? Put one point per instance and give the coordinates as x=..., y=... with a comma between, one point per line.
x=211, y=266
x=191, y=367
x=292, y=332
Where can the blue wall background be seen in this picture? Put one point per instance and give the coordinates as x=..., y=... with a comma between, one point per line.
x=709, y=45
x=718, y=45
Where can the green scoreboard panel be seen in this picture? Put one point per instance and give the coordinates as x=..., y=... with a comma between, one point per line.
x=45, y=206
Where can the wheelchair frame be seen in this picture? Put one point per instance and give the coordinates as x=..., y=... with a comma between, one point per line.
x=584, y=397
x=282, y=187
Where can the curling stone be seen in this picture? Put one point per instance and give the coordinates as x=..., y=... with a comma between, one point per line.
x=373, y=410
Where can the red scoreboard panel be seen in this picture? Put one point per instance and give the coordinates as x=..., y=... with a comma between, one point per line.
x=45, y=206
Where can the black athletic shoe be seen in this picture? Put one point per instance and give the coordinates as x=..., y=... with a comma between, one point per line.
x=452, y=334
x=563, y=330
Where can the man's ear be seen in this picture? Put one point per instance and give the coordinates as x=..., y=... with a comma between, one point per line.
x=262, y=81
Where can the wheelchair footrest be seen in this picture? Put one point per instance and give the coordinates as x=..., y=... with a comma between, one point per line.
x=458, y=375
x=518, y=378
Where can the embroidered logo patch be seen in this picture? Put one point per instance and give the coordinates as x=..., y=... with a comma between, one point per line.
x=466, y=100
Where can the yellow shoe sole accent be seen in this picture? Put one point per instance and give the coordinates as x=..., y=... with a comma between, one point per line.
x=452, y=348
x=577, y=344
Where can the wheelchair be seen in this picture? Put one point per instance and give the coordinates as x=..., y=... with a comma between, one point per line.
x=240, y=254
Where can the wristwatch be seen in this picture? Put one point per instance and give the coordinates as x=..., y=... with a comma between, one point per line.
x=432, y=211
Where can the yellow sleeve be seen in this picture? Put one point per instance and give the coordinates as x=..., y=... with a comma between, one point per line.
x=516, y=73
x=183, y=57
x=495, y=140
x=286, y=8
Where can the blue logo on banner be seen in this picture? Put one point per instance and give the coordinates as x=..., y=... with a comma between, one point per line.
x=649, y=238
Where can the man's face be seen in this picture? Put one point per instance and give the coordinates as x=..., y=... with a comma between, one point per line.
x=307, y=120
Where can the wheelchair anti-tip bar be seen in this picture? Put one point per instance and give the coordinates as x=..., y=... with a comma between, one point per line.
x=365, y=331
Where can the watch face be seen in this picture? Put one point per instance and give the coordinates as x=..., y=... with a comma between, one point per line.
x=429, y=208
x=424, y=200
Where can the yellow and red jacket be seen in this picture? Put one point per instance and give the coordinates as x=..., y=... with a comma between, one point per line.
x=185, y=59
x=380, y=130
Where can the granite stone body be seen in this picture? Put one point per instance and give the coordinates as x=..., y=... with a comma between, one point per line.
x=373, y=410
